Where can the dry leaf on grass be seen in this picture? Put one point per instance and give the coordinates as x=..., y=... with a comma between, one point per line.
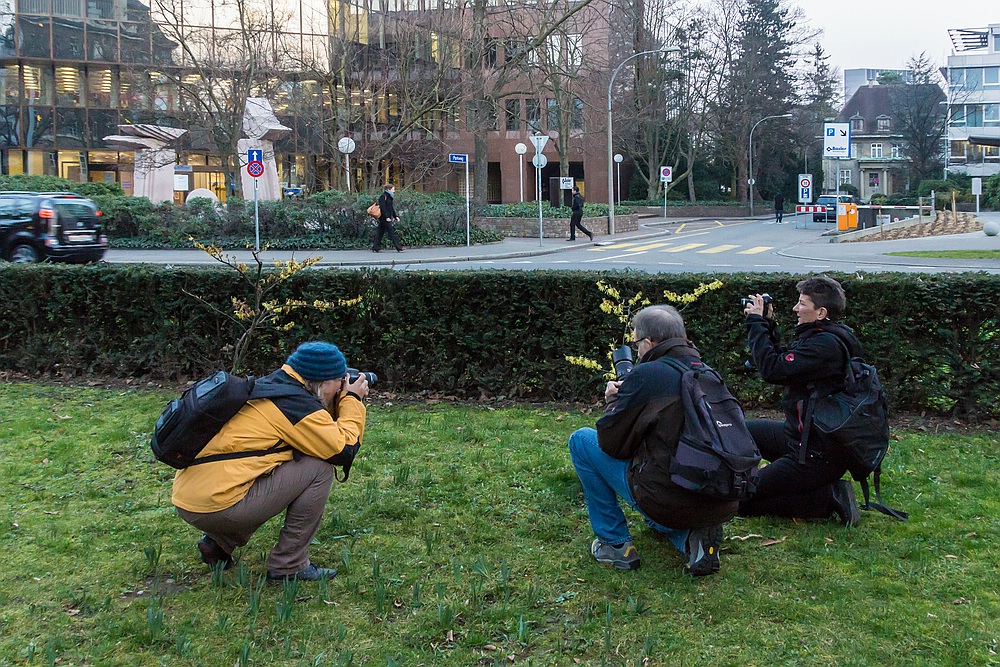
x=767, y=543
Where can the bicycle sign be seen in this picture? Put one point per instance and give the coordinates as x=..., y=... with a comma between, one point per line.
x=255, y=168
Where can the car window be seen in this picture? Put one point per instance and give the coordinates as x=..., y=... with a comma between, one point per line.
x=8, y=206
x=71, y=211
x=26, y=205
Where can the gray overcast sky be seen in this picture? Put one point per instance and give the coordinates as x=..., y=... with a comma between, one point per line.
x=885, y=33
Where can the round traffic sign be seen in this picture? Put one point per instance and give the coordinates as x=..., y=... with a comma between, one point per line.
x=255, y=168
x=665, y=172
x=751, y=181
x=805, y=182
x=539, y=160
x=346, y=145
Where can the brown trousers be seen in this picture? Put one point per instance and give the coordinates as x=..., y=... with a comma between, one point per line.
x=300, y=488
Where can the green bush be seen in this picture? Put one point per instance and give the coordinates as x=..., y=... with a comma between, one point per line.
x=473, y=334
x=56, y=184
x=991, y=192
x=938, y=186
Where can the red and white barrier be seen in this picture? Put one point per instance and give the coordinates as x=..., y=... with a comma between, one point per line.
x=810, y=209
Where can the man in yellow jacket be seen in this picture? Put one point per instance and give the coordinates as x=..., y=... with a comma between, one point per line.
x=277, y=454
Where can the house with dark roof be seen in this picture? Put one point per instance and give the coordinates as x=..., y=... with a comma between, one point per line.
x=878, y=162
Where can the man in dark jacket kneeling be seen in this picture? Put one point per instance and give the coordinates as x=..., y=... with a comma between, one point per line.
x=628, y=456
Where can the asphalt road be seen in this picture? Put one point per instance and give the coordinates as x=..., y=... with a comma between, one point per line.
x=702, y=246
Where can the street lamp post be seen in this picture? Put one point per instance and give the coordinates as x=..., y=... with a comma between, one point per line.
x=618, y=174
x=611, y=176
x=521, y=149
x=751, y=179
x=346, y=146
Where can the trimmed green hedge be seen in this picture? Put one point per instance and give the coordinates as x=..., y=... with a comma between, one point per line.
x=934, y=338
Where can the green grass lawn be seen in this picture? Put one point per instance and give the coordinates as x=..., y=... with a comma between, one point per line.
x=950, y=254
x=461, y=539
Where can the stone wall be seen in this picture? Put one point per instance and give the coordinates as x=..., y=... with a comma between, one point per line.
x=687, y=211
x=556, y=228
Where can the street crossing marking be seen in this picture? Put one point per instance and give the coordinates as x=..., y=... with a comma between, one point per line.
x=686, y=246
x=718, y=248
x=651, y=246
x=615, y=246
x=754, y=250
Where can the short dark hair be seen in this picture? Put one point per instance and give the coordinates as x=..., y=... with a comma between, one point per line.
x=576, y=189
x=658, y=323
x=824, y=293
x=389, y=186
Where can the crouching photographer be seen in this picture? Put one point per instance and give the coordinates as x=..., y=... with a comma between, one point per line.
x=628, y=455
x=801, y=481
x=277, y=455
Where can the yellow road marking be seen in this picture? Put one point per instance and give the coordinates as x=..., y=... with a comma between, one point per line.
x=686, y=246
x=718, y=248
x=754, y=250
x=650, y=246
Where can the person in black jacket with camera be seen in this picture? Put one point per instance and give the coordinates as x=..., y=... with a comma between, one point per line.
x=801, y=482
x=628, y=456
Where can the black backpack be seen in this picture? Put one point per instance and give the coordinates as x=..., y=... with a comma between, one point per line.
x=189, y=422
x=856, y=421
x=716, y=456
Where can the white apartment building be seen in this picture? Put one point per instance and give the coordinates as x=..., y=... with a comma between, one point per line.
x=973, y=75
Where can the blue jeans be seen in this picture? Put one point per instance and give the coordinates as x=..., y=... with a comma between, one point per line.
x=604, y=479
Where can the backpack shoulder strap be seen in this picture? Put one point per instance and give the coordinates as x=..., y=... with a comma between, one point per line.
x=879, y=506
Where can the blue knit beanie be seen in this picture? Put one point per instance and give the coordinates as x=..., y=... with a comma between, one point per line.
x=318, y=361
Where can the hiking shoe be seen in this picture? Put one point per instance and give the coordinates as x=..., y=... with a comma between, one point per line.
x=212, y=554
x=703, y=550
x=845, y=504
x=625, y=557
x=309, y=573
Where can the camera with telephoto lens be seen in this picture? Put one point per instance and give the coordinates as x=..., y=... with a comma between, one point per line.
x=622, y=361
x=768, y=304
x=353, y=374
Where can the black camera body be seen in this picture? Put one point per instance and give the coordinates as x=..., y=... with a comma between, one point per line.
x=621, y=358
x=354, y=374
x=767, y=299
x=768, y=305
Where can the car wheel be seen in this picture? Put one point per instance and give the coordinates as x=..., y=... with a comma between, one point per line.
x=24, y=254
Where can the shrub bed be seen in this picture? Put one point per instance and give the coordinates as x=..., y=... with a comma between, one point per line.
x=485, y=334
x=329, y=219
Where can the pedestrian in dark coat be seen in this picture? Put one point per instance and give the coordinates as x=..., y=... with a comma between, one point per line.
x=577, y=217
x=779, y=207
x=387, y=220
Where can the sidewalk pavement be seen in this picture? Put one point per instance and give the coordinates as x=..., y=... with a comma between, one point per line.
x=508, y=248
x=811, y=244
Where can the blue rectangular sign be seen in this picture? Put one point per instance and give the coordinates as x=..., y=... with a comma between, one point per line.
x=461, y=158
x=255, y=155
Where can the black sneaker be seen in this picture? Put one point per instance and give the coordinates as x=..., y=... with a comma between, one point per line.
x=309, y=573
x=212, y=554
x=845, y=504
x=703, y=551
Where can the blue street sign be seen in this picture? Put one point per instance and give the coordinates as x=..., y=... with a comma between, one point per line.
x=255, y=155
x=461, y=158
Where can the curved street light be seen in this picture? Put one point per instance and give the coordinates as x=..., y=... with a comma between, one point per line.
x=751, y=179
x=611, y=176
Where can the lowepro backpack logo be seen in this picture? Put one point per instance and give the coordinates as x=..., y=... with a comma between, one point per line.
x=722, y=425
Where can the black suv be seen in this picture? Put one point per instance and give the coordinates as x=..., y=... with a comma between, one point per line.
x=55, y=226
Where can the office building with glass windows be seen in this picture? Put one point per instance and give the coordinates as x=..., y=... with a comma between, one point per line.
x=388, y=75
x=973, y=75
